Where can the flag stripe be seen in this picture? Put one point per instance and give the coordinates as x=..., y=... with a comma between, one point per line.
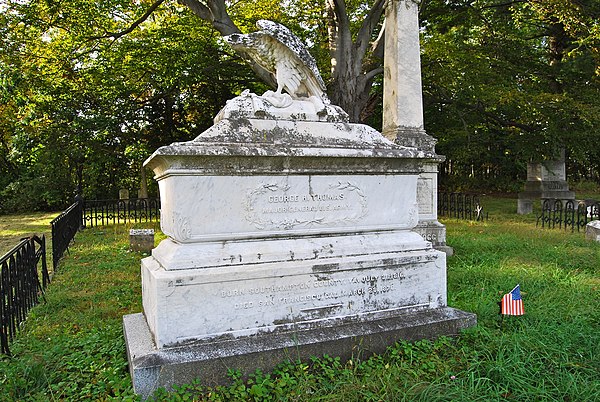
x=510, y=306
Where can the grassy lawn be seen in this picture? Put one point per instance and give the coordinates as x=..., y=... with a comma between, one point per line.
x=15, y=227
x=72, y=347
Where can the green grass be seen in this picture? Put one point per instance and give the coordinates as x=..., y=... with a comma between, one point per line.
x=16, y=226
x=72, y=347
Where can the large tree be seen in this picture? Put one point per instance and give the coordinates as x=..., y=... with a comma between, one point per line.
x=352, y=40
x=509, y=82
x=79, y=108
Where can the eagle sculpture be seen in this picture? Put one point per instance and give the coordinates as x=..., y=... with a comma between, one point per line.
x=276, y=49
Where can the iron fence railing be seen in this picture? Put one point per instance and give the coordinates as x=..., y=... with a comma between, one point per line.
x=567, y=214
x=64, y=228
x=20, y=286
x=108, y=212
x=460, y=206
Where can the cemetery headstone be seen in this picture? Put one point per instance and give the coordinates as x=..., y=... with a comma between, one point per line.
x=141, y=240
x=546, y=179
x=123, y=194
x=290, y=234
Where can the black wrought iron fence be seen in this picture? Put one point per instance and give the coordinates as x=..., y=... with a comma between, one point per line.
x=460, y=206
x=64, y=228
x=20, y=286
x=568, y=214
x=108, y=212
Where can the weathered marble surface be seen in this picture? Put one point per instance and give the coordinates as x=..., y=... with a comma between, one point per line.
x=285, y=200
x=402, y=88
x=260, y=206
x=592, y=231
x=253, y=298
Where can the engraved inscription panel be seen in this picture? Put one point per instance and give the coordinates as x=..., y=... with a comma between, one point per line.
x=255, y=303
x=208, y=208
x=276, y=205
x=425, y=195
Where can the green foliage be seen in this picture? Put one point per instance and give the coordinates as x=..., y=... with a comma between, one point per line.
x=506, y=83
x=84, y=106
x=72, y=347
x=90, y=366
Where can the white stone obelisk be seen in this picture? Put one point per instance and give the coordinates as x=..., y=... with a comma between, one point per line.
x=403, y=108
x=402, y=89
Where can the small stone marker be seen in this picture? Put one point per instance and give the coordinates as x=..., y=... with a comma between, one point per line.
x=123, y=194
x=592, y=231
x=141, y=240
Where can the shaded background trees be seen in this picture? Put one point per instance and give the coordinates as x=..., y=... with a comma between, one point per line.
x=510, y=82
x=89, y=89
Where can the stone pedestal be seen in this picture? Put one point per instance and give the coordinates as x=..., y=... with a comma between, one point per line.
x=428, y=226
x=152, y=367
x=286, y=237
x=544, y=180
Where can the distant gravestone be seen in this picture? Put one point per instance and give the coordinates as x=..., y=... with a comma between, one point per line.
x=544, y=180
x=123, y=194
x=592, y=231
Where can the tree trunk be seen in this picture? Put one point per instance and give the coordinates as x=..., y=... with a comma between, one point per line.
x=143, y=182
x=352, y=81
x=349, y=87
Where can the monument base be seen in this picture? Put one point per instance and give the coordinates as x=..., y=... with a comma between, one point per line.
x=434, y=232
x=152, y=368
x=527, y=198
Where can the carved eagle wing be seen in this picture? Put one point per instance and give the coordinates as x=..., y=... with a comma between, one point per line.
x=279, y=51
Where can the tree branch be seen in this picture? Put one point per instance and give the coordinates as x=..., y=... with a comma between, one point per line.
x=363, y=39
x=501, y=121
x=215, y=12
x=373, y=73
x=198, y=8
x=508, y=3
x=339, y=9
x=134, y=25
x=378, y=46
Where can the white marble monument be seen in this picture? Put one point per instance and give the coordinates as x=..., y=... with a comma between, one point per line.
x=290, y=234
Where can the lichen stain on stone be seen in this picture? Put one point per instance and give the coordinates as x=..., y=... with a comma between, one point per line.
x=325, y=267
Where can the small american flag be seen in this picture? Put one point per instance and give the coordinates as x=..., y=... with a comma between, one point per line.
x=511, y=303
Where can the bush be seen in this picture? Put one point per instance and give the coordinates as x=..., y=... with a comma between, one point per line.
x=32, y=195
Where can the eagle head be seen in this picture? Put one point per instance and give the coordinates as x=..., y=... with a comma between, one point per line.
x=241, y=41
